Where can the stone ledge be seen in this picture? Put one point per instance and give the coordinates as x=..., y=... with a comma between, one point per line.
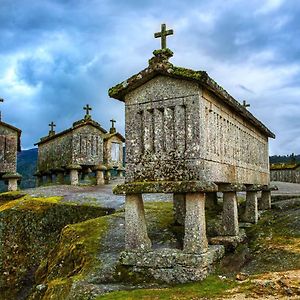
x=170, y=258
x=165, y=187
x=229, y=242
x=12, y=176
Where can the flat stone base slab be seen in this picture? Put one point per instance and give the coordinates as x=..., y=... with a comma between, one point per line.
x=229, y=242
x=172, y=265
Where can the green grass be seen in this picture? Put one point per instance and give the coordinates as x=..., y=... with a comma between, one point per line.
x=210, y=288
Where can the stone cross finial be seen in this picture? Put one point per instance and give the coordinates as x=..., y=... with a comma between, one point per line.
x=52, y=125
x=113, y=123
x=163, y=35
x=87, y=108
x=245, y=104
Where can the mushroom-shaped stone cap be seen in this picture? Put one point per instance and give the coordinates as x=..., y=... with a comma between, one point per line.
x=121, y=169
x=100, y=167
x=74, y=167
x=12, y=175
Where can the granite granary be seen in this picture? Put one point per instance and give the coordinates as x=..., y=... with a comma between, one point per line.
x=285, y=172
x=187, y=136
x=9, y=147
x=75, y=154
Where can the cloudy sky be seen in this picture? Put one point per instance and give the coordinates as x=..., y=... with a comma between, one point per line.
x=58, y=55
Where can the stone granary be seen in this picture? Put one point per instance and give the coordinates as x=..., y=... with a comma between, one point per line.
x=286, y=172
x=187, y=136
x=78, y=151
x=9, y=146
x=113, y=150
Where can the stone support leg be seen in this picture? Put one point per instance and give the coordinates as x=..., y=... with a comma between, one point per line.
x=251, y=212
x=136, y=236
x=39, y=181
x=120, y=174
x=99, y=177
x=74, y=177
x=49, y=178
x=60, y=179
x=195, y=240
x=265, y=201
x=12, y=184
x=179, y=208
x=108, y=176
x=230, y=214
x=211, y=200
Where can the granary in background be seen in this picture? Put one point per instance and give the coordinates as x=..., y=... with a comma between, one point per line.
x=285, y=172
x=10, y=145
x=73, y=154
x=187, y=136
x=113, y=150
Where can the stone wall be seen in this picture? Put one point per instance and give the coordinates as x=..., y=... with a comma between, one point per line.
x=175, y=130
x=286, y=175
x=8, y=150
x=82, y=146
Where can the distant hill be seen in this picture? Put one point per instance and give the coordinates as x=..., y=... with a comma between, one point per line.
x=27, y=160
x=285, y=158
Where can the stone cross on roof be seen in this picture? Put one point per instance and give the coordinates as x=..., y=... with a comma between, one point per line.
x=245, y=104
x=87, y=108
x=113, y=123
x=112, y=129
x=52, y=125
x=163, y=35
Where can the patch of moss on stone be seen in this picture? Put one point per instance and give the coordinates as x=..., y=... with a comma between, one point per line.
x=74, y=257
x=29, y=229
x=9, y=196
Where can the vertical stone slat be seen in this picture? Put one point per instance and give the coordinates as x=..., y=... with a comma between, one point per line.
x=180, y=127
x=169, y=128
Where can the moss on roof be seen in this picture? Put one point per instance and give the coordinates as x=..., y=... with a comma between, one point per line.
x=160, y=65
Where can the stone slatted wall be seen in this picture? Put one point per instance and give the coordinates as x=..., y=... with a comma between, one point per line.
x=185, y=133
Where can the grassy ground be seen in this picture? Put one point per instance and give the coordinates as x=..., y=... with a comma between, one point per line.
x=268, y=267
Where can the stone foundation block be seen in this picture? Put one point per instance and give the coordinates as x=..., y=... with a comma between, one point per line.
x=172, y=265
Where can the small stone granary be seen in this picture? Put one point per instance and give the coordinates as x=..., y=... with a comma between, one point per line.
x=9, y=146
x=79, y=151
x=187, y=136
x=285, y=172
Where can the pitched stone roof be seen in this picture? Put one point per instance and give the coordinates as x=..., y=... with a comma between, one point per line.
x=77, y=124
x=160, y=65
x=109, y=135
x=17, y=130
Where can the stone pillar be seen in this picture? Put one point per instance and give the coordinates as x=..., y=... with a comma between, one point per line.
x=38, y=181
x=265, y=201
x=74, y=177
x=12, y=184
x=211, y=200
x=49, y=178
x=195, y=240
x=179, y=208
x=74, y=173
x=251, y=212
x=60, y=178
x=230, y=220
x=108, y=176
x=99, y=177
x=120, y=172
x=136, y=236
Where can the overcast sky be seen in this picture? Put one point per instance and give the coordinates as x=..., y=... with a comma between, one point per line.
x=58, y=55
